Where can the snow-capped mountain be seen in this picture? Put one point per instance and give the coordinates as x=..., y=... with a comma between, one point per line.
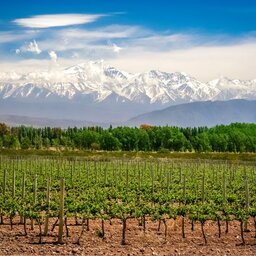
x=100, y=91
x=101, y=81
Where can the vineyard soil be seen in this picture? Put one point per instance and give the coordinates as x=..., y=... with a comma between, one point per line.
x=152, y=242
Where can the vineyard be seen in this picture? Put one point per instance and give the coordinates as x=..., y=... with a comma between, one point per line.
x=55, y=195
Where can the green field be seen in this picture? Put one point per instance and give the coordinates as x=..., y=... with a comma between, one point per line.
x=121, y=188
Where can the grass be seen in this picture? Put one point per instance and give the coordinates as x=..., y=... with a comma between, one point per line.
x=133, y=154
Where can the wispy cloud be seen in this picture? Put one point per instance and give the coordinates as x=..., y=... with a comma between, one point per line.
x=17, y=36
x=116, y=48
x=87, y=39
x=30, y=47
x=112, y=31
x=53, y=56
x=57, y=20
x=33, y=47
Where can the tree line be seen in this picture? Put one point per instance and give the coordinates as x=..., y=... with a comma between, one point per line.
x=236, y=137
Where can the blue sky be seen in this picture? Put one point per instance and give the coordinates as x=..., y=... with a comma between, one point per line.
x=203, y=38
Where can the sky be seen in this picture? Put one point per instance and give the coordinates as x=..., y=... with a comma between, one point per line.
x=205, y=39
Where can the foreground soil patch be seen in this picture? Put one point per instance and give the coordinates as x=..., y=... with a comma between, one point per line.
x=138, y=242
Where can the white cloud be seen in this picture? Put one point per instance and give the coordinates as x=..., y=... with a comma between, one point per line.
x=116, y=48
x=83, y=38
x=33, y=47
x=113, y=31
x=57, y=20
x=53, y=56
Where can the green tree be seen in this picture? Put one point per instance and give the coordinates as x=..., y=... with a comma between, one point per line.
x=109, y=142
x=26, y=143
x=38, y=142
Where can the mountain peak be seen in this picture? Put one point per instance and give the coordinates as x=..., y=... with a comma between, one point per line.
x=101, y=81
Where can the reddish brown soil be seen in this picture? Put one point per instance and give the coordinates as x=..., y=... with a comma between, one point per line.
x=152, y=242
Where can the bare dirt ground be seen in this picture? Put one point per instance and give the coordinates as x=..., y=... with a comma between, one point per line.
x=152, y=242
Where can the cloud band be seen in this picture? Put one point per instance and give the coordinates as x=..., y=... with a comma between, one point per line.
x=57, y=20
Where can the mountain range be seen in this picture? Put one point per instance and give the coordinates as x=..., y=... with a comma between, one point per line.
x=206, y=113
x=98, y=93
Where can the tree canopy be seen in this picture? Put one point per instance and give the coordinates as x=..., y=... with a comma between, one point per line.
x=236, y=137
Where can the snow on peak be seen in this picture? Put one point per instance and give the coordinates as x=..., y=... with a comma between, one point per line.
x=101, y=81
